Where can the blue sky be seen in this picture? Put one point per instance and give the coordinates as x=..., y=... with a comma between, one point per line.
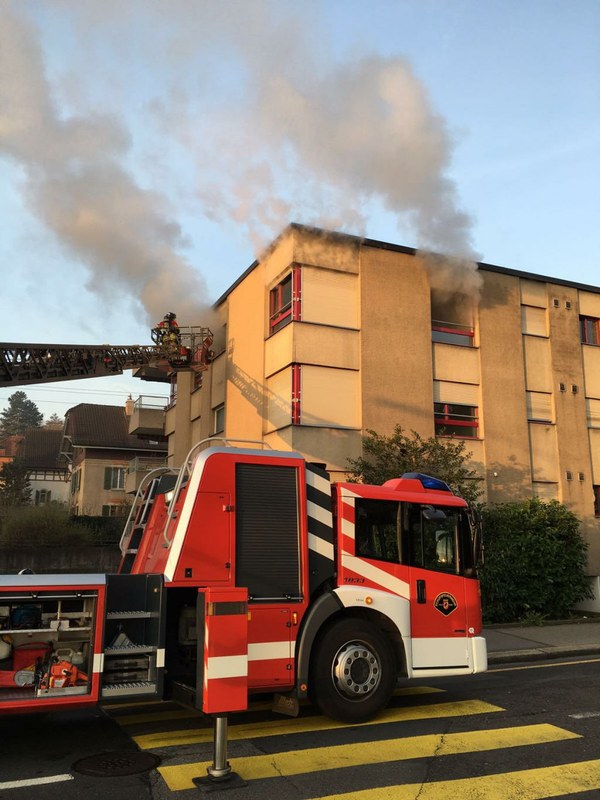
x=148, y=150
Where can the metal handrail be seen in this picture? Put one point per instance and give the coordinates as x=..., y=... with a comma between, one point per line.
x=186, y=470
x=128, y=527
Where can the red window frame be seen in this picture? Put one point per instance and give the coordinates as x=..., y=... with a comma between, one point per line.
x=285, y=301
x=452, y=329
x=589, y=328
x=456, y=419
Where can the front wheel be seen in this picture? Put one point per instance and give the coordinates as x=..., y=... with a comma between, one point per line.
x=353, y=671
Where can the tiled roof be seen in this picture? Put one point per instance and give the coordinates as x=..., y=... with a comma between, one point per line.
x=90, y=425
x=40, y=449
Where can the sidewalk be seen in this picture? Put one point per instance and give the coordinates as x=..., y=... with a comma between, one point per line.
x=507, y=643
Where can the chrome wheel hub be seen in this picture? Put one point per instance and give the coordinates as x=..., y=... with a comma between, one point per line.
x=356, y=671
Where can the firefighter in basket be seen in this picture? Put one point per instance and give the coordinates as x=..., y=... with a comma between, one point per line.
x=166, y=333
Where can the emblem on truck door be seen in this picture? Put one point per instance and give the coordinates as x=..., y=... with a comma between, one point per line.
x=445, y=603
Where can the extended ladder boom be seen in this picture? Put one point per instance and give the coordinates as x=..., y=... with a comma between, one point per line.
x=22, y=364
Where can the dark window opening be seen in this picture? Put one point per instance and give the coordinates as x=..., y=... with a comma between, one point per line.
x=284, y=301
x=433, y=537
x=597, y=501
x=377, y=530
x=452, y=333
x=455, y=419
x=590, y=330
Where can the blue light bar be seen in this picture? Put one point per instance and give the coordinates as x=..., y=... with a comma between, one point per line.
x=428, y=482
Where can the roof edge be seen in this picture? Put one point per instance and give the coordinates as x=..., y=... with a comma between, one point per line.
x=398, y=248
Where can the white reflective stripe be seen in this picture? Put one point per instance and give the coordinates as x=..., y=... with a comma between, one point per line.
x=227, y=667
x=347, y=528
x=183, y=520
x=98, y=662
x=376, y=575
x=160, y=657
x=320, y=483
x=318, y=512
x=265, y=651
x=320, y=546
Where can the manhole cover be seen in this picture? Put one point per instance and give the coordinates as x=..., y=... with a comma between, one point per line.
x=113, y=765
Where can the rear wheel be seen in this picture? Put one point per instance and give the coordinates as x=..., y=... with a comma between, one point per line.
x=353, y=671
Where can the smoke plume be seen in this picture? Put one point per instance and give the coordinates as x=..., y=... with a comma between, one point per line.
x=77, y=185
x=273, y=128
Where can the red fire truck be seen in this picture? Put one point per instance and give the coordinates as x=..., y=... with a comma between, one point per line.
x=248, y=571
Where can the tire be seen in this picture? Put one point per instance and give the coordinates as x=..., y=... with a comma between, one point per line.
x=353, y=671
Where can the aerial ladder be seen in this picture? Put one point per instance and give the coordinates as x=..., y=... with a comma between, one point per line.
x=174, y=349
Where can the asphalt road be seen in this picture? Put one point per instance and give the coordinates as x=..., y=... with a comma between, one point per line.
x=525, y=732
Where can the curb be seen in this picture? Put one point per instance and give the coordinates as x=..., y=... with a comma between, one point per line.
x=542, y=653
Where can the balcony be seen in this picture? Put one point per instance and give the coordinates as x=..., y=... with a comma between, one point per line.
x=138, y=468
x=147, y=417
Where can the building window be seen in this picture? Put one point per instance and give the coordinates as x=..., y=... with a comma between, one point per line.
x=115, y=510
x=42, y=496
x=597, y=501
x=539, y=407
x=452, y=333
x=114, y=478
x=219, y=419
x=75, y=481
x=590, y=330
x=454, y=419
x=284, y=301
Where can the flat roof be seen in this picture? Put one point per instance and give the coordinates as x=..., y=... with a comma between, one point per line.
x=411, y=251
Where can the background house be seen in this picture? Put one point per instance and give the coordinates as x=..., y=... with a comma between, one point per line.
x=48, y=472
x=102, y=454
x=328, y=335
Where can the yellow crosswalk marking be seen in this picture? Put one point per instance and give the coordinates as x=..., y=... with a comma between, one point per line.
x=189, y=713
x=280, y=727
x=298, y=762
x=528, y=784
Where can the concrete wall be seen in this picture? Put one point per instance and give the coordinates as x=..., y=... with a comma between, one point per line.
x=49, y=560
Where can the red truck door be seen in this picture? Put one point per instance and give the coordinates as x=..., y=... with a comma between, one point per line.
x=437, y=590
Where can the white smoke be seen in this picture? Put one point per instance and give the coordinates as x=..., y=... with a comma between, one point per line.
x=274, y=128
x=77, y=185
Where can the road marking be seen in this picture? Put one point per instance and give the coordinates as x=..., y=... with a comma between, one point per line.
x=546, y=666
x=34, y=782
x=179, y=713
x=585, y=715
x=299, y=762
x=528, y=784
x=280, y=727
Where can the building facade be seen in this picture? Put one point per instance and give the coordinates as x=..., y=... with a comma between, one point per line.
x=328, y=335
x=101, y=453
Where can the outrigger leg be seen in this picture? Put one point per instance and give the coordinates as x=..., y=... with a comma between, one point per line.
x=220, y=775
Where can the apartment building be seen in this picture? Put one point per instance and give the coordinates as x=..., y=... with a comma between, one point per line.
x=328, y=335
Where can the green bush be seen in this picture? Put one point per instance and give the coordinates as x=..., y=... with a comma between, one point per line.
x=535, y=559
x=43, y=525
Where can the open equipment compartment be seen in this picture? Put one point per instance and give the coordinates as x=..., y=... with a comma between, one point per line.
x=134, y=653
x=48, y=631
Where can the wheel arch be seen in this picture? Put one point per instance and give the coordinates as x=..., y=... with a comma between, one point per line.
x=326, y=612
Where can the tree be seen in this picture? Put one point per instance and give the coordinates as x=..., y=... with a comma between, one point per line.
x=20, y=415
x=386, y=457
x=15, y=489
x=54, y=422
x=535, y=561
